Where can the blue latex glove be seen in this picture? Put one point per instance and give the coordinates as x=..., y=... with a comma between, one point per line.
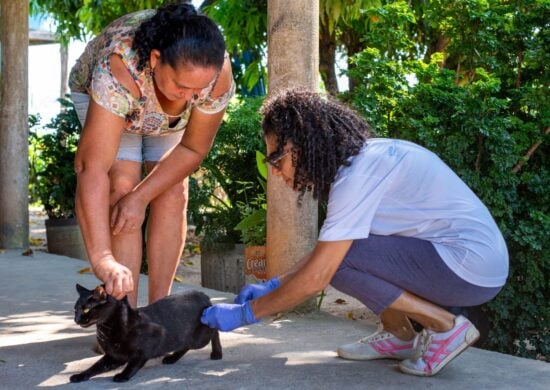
x=226, y=316
x=253, y=291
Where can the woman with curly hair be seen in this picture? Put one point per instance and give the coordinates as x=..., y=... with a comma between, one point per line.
x=159, y=82
x=403, y=234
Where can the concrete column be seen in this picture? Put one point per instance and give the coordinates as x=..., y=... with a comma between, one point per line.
x=64, y=57
x=293, y=60
x=14, y=131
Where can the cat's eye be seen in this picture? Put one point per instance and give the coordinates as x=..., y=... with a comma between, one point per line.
x=86, y=310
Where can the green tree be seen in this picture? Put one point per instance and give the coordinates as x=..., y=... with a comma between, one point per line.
x=77, y=19
x=481, y=102
x=244, y=24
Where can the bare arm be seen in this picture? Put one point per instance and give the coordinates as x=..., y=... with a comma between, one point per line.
x=295, y=268
x=96, y=153
x=311, y=275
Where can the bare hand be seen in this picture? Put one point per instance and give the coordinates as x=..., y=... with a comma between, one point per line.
x=117, y=278
x=128, y=214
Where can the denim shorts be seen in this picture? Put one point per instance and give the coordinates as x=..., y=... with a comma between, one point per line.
x=133, y=147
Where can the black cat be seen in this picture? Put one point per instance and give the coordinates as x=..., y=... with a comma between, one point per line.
x=169, y=327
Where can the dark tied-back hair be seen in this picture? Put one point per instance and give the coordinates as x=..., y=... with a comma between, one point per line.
x=324, y=134
x=182, y=35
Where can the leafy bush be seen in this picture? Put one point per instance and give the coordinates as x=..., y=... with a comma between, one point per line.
x=253, y=226
x=52, y=149
x=216, y=188
x=492, y=128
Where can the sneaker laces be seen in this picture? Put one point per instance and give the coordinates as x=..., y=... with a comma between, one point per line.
x=422, y=343
x=380, y=334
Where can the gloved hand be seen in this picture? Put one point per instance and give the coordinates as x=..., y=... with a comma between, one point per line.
x=226, y=316
x=253, y=291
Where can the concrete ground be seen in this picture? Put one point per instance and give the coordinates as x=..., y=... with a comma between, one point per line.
x=41, y=346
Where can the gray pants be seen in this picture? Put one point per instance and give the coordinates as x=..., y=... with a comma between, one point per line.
x=378, y=269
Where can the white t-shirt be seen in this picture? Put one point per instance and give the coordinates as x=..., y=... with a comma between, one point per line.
x=396, y=187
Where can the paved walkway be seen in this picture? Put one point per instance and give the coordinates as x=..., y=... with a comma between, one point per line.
x=40, y=346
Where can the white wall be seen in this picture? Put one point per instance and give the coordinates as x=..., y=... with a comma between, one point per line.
x=45, y=77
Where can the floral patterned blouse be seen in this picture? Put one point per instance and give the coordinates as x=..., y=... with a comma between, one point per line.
x=92, y=75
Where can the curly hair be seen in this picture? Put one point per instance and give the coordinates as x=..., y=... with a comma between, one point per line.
x=182, y=35
x=324, y=134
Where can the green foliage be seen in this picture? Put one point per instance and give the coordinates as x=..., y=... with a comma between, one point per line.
x=388, y=32
x=77, y=18
x=335, y=14
x=382, y=85
x=488, y=118
x=253, y=226
x=244, y=24
x=52, y=149
x=216, y=189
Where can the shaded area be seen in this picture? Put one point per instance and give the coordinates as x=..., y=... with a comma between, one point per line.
x=41, y=347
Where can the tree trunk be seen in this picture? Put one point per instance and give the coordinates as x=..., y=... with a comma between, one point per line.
x=64, y=56
x=438, y=45
x=293, y=50
x=353, y=45
x=327, y=61
x=14, y=130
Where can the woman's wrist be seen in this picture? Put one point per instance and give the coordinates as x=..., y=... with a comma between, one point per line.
x=274, y=283
x=248, y=314
x=139, y=194
x=99, y=264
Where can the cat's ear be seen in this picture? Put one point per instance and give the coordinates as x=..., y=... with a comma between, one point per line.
x=100, y=293
x=80, y=289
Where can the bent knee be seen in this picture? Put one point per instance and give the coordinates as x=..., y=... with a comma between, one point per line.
x=339, y=279
x=120, y=188
x=175, y=195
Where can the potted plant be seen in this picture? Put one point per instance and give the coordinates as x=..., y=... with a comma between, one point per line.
x=52, y=150
x=253, y=226
x=215, y=191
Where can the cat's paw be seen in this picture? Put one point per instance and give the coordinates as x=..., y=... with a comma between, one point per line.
x=170, y=359
x=78, y=378
x=120, y=378
x=216, y=355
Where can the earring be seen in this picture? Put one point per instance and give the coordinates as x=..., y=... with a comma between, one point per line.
x=151, y=72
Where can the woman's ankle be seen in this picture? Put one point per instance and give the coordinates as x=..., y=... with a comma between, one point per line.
x=441, y=325
x=404, y=334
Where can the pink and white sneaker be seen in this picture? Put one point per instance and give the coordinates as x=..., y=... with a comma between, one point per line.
x=379, y=345
x=436, y=350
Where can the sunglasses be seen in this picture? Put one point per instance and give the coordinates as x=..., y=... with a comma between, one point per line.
x=275, y=161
